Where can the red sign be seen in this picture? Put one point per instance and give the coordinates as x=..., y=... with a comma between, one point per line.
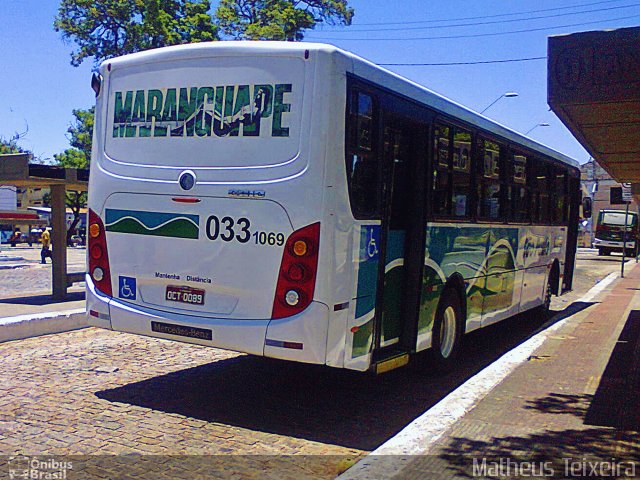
x=17, y=216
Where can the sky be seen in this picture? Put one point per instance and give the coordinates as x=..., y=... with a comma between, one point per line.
x=39, y=88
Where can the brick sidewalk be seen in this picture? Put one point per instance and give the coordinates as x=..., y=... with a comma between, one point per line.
x=576, y=398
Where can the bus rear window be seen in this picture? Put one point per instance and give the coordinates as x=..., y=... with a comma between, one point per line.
x=202, y=113
x=617, y=218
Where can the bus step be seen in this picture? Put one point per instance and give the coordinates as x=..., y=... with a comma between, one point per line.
x=392, y=363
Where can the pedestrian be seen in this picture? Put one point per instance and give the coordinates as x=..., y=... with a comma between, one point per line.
x=46, y=242
x=15, y=238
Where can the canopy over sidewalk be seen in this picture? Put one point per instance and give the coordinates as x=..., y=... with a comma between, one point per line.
x=594, y=87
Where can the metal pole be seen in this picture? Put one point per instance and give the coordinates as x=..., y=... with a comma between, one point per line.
x=624, y=240
x=59, y=241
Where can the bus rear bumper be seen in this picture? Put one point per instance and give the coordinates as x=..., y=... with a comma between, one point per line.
x=97, y=306
x=612, y=244
x=300, y=338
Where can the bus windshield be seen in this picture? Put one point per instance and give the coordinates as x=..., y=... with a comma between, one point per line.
x=617, y=218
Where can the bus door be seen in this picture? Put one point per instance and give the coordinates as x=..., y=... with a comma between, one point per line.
x=401, y=234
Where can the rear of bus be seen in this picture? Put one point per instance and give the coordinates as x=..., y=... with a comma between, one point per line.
x=612, y=233
x=207, y=196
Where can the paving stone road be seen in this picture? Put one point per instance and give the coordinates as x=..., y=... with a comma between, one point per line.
x=83, y=392
x=31, y=276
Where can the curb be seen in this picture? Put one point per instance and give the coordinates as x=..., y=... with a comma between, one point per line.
x=34, y=325
x=15, y=265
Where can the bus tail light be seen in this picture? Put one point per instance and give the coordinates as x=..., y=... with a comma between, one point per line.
x=297, y=276
x=98, y=256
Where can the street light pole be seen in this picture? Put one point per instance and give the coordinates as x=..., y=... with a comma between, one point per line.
x=535, y=126
x=507, y=95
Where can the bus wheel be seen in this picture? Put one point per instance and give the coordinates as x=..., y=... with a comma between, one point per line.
x=546, y=305
x=552, y=280
x=447, y=331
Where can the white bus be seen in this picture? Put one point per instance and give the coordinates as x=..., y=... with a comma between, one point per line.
x=295, y=201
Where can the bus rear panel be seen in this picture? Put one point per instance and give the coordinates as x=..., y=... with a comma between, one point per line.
x=206, y=204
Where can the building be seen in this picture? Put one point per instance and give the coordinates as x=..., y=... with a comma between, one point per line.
x=45, y=213
x=597, y=184
x=31, y=197
x=8, y=197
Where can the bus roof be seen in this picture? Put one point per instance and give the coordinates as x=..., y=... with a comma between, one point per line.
x=614, y=210
x=360, y=67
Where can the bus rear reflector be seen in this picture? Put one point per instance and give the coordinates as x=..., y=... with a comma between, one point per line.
x=297, y=276
x=98, y=256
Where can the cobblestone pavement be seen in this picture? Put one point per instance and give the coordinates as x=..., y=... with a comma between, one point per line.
x=99, y=392
x=33, y=277
x=86, y=392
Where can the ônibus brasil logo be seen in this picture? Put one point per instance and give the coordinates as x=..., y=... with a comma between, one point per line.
x=202, y=111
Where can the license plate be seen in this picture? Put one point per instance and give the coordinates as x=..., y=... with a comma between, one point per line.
x=192, y=296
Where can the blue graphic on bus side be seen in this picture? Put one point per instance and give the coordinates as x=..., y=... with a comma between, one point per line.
x=369, y=257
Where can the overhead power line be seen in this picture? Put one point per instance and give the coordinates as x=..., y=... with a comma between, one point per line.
x=475, y=35
x=498, y=15
x=472, y=24
x=482, y=62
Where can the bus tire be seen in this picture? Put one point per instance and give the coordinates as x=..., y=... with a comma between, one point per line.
x=546, y=304
x=447, y=331
x=552, y=280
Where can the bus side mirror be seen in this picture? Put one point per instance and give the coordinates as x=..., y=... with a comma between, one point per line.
x=587, y=207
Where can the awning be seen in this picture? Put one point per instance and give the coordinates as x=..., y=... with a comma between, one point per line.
x=22, y=218
x=594, y=87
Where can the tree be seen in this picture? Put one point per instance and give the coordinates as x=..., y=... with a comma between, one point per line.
x=78, y=156
x=75, y=201
x=80, y=137
x=106, y=28
x=9, y=146
x=279, y=19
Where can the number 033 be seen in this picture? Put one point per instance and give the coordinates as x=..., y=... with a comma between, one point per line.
x=228, y=229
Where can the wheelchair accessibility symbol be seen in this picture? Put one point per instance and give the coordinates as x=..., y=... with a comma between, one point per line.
x=372, y=247
x=127, y=288
x=369, y=240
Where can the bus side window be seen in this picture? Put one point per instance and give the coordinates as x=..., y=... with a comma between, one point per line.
x=559, y=195
x=542, y=186
x=441, y=197
x=362, y=161
x=364, y=122
x=461, y=173
x=519, y=195
x=489, y=186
